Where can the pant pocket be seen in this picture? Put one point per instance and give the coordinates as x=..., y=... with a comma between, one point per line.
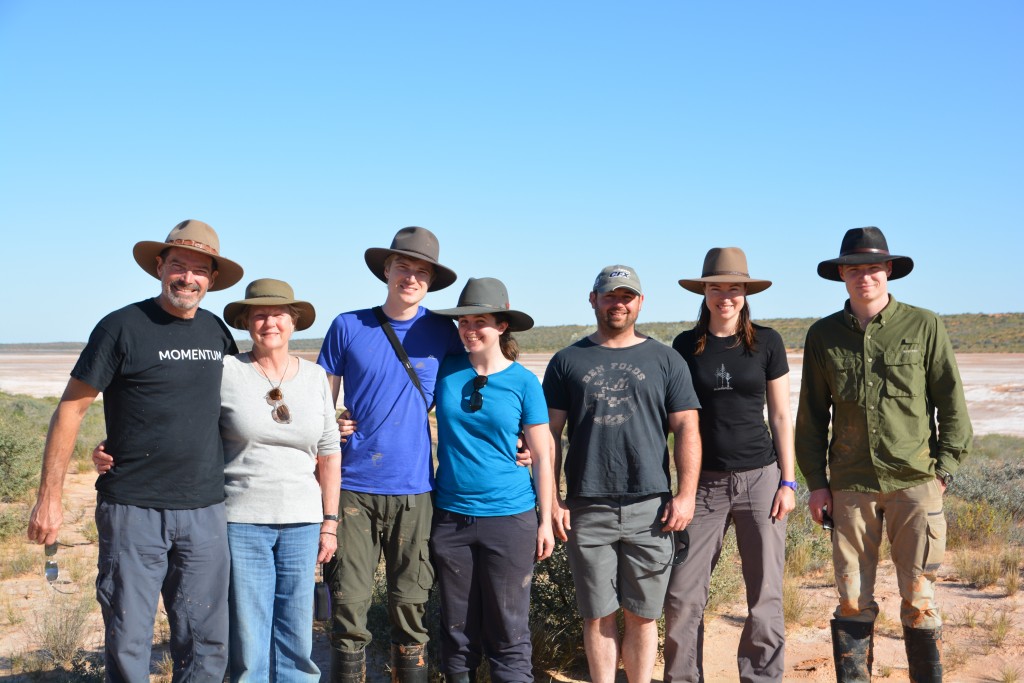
x=426, y=574
x=936, y=549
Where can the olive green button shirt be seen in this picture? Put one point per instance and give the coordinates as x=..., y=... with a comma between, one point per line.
x=884, y=386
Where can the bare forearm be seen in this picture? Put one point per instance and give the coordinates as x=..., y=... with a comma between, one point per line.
x=687, y=454
x=329, y=475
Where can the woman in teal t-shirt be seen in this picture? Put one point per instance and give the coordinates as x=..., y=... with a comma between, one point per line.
x=486, y=533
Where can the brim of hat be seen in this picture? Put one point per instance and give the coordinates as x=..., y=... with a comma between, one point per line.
x=696, y=285
x=376, y=256
x=901, y=265
x=228, y=272
x=517, y=320
x=232, y=312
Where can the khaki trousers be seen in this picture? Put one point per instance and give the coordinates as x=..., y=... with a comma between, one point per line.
x=916, y=529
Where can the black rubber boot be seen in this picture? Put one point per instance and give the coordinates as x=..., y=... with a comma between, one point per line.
x=853, y=650
x=347, y=666
x=409, y=663
x=924, y=654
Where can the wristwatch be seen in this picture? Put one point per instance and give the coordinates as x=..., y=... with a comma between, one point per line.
x=790, y=484
x=330, y=518
x=945, y=477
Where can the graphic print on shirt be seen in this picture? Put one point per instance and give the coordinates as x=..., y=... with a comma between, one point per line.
x=610, y=391
x=724, y=378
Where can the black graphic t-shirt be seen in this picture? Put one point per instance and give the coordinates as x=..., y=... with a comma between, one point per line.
x=731, y=385
x=618, y=402
x=160, y=377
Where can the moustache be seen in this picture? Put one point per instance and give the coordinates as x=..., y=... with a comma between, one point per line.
x=181, y=285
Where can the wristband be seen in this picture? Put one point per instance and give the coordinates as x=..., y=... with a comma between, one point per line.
x=329, y=533
x=790, y=484
x=330, y=518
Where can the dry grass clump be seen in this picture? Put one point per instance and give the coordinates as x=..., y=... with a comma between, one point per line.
x=999, y=625
x=58, y=630
x=19, y=558
x=795, y=603
x=1008, y=674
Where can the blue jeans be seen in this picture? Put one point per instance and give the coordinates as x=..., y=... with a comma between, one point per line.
x=271, y=602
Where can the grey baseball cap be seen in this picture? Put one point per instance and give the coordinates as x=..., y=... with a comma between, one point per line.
x=614, y=277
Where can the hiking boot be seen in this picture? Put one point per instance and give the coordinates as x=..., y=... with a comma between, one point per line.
x=924, y=654
x=853, y=650
x=348, y=666
x=409, y=663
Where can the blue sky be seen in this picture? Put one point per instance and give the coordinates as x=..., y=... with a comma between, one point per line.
x=540, y=141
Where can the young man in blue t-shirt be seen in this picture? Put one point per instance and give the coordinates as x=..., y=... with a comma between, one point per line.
x=386, y=468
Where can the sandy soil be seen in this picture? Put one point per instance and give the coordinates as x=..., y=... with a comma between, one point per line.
x=974, y=653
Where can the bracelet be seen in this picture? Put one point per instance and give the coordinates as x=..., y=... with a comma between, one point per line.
x=330, y=518
x=790, y=484
x=329, y=533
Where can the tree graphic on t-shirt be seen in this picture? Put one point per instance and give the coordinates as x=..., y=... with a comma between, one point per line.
x=723, y=378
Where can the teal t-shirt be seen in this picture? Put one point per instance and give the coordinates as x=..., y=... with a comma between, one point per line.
x=477, y=474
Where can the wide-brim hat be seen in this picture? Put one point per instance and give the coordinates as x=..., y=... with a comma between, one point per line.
x=417, y=243
x=865, y=245
x=488, y=295
x=269, y=292
x=725, y=264
x=195, y=236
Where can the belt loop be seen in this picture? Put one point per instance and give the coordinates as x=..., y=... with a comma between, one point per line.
x=410, y=502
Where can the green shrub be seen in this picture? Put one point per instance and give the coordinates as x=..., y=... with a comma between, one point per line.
x=19, y=459
x=555, y=622
x=974, y=524
x=993, y=473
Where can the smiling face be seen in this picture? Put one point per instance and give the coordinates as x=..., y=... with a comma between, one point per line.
x=408, y=279
x=480, y=333
x=616, y=311
x=270, y=327
x=725, y=300
x=185, y=277
x=868, y=283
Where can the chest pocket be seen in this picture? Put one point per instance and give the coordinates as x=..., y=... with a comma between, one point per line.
x=846, y=373
x=904, y=370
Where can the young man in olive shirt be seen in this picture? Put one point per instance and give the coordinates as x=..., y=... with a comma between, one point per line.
x=880, y=372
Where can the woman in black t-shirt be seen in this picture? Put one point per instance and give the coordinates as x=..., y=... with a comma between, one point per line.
x=747, y=473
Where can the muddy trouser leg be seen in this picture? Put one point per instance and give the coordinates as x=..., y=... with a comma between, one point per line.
x=410, y=577
x=350, y=576
x=917, y=534
x=691, y=581
x=855, y=545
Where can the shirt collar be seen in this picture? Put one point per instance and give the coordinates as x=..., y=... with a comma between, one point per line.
x=882, y=318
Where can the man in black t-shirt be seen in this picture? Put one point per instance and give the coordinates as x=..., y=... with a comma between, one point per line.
x=160, y=510
x=620, y=393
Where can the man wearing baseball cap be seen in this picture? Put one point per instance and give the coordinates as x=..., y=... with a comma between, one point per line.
x=619, y=393
x=158, y=363
x=883, y=375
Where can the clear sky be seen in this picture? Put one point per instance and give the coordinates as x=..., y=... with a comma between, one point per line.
x=539, y=140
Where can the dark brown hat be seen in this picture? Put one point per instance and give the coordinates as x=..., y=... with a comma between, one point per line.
x=269, y=292
x=865, y=245
x=194, y=236
x=488, y=295
x=417, y=243
x=725, y=264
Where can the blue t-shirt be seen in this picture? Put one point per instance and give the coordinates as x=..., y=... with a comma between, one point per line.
x=389, y=453
x=477, y=473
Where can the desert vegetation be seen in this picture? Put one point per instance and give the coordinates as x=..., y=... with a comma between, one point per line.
x=969, y=332
x=55, y=638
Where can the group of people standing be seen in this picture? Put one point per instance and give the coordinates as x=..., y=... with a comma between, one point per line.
x=219, y=465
